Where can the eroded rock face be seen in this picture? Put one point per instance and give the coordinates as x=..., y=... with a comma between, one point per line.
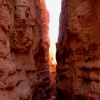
x=7, y=68
x=78, y=57
x=24, y=73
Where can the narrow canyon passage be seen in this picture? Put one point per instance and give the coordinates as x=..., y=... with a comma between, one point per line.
x=54, y=13
x=28, y=70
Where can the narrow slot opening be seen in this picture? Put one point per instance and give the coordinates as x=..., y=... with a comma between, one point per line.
x=54, y=8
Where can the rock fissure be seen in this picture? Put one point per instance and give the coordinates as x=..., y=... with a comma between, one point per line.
x=26, y=68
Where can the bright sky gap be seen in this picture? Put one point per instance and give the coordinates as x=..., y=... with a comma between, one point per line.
x=54, y=7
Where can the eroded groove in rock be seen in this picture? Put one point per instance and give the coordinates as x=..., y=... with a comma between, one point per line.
x=78, y=47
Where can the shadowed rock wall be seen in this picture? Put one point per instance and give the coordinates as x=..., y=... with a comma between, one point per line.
x=78, y=51
x=24, y=73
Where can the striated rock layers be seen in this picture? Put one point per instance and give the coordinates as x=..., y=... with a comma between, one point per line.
x=24, y=73
x=78, y=51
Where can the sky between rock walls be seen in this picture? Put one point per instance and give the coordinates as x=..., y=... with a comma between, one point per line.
x=54, y=8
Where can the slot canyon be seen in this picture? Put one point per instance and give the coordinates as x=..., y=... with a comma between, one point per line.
x=27, y=71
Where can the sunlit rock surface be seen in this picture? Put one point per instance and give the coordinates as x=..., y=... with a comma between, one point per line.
x=78, y=51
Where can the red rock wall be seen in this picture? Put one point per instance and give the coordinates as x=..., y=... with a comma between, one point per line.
x=7, y=68
x=78, y=51
x=24, y=73
x=42, y=58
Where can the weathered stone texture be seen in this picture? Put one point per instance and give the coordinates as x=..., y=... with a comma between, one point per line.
x=78, y=51
x=7, y=68
x=24, y=73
